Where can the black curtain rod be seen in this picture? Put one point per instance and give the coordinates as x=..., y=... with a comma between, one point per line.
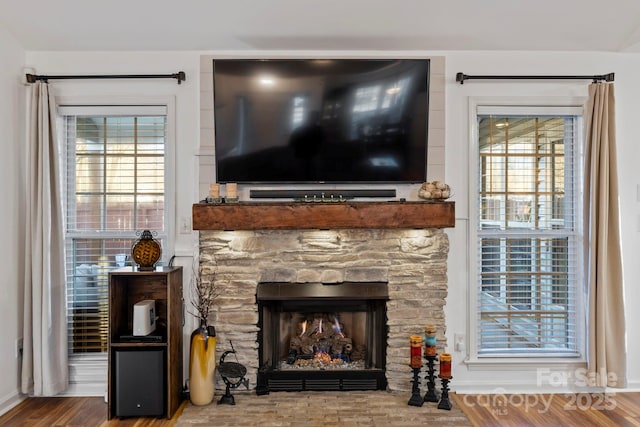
x=461, y=77
x=180, y=76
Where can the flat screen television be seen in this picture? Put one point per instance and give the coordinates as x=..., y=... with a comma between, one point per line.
x=321, y=121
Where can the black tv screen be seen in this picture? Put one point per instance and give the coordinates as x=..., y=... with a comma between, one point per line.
x=321, y=121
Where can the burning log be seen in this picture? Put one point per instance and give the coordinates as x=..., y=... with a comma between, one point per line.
x=359, y=352
x=307, y=349
x=347, y=349
x=319, y=341
x=295, y=343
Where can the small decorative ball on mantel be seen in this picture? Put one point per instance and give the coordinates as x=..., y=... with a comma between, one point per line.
x=146, y=251
x=436, y=190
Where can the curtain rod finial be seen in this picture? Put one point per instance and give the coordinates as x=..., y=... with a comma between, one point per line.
x=180, y=76
x=461, y=77
x=29, y=75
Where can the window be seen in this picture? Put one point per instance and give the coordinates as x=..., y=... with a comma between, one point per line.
x=366, y=99
x=115, y=187
x=298, y=111
x=395, y=93
x=527, y=231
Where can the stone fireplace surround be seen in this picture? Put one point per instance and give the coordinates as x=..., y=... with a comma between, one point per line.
x=412, y=261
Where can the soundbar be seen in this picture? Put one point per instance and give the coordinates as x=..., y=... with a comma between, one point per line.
x=320, y=194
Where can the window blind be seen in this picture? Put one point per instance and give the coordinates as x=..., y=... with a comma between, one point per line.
x=528, y=233
x=115, y=187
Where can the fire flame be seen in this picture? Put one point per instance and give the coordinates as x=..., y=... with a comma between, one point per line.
x=304, y=327
x=336, y=326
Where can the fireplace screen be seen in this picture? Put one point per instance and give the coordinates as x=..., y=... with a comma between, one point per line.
x=322, y=337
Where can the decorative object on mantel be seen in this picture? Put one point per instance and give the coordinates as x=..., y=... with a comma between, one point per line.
x=215, y=196
x=231, y=195
x=436, y=190
x=202, y=353
x=146, y=251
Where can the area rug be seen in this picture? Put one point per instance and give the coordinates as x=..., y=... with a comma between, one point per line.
x=310, y=409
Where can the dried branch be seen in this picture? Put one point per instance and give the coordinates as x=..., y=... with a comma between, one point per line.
x=203, y=293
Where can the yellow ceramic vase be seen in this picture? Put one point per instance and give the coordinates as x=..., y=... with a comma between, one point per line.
x=202, y=365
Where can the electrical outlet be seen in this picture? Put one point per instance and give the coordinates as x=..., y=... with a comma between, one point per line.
x=19, y=343
x=185, y=225
x=458, y=342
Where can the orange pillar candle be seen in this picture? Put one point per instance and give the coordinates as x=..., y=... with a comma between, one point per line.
x=416, y=351
x=445, y=366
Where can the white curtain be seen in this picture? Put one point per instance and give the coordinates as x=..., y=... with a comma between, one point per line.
x=607, y=355
x=44, y=365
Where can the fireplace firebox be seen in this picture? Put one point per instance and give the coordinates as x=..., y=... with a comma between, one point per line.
x=315, y=336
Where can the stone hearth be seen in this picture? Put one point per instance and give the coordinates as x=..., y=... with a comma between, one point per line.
x=412, y=261
x=312, y=409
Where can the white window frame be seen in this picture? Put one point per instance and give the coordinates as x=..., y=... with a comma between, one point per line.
x=88, y=372
x=514, y=105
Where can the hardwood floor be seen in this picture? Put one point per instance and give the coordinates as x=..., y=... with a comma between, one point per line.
x=74, y=411
x=584, y=410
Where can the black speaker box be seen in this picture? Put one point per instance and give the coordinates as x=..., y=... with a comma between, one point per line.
x=139, y=382
x=320, y=193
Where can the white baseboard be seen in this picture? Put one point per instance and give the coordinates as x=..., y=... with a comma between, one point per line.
x=632, y=386
x=10, y=401
x=84, y=390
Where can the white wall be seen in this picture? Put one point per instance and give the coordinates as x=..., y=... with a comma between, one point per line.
x=12, y=106
x=457, y=140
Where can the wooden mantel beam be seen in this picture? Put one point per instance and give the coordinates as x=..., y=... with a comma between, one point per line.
x=340, y=215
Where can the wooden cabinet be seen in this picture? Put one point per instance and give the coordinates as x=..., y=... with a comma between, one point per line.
x=127, y=287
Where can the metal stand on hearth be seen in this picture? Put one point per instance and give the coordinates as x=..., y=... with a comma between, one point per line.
x=445, y=403
x=430, y=395
x=416, y=399
x=232, y=374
